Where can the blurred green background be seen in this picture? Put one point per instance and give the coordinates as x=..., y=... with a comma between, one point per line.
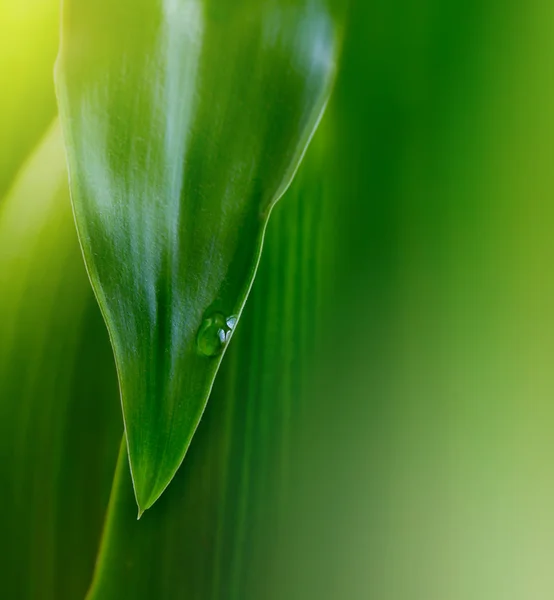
x=391, y=384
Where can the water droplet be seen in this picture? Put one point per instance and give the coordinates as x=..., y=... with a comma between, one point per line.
x=214, y=333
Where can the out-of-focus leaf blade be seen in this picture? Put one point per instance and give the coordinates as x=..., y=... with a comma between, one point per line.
x=205, y=538
x=184, y=121
x=28, y=45
x=59, y=424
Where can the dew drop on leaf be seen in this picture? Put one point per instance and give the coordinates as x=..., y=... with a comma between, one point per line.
x=214, y=333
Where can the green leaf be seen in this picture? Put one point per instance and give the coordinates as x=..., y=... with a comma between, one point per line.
x=184, y=121
x=59, y=424
x=211, y=533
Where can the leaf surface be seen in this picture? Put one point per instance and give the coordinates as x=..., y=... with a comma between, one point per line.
x=59, y=424
x=211, y=534
x=184, y=121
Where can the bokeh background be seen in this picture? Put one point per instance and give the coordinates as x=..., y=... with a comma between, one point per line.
x=383, y=425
